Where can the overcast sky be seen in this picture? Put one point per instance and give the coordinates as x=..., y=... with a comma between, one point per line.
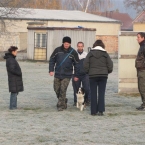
x=118, y=4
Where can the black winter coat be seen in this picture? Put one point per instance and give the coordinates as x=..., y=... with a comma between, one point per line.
x=140, y=59
x=65, y=69
x=98, y=63
x=82, y=57
x=14, y=74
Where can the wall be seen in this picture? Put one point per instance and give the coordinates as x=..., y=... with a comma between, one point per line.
x=8, y=39
x=23, y=40
x=30, y=44
x=15, y=34
x=108, y=30
x=128, y=48
x=54, y=39
x=111, y=43
x=102, y=28
x=139, y=27
x=76, y=36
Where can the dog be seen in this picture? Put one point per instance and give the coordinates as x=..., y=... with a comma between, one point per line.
x=81, y=99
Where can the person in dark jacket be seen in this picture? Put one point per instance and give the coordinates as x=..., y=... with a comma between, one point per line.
x=82, y=76
x=140, y=67
x=98, y=65
x=62, y=61
x=14, y=76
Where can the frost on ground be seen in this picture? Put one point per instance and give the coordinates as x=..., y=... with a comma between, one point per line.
x=36, y=121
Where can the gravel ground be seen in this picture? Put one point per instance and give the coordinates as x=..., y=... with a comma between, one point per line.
x=36, y=121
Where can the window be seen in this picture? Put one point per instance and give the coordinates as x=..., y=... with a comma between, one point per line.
x=40, y=40
x=43, y=40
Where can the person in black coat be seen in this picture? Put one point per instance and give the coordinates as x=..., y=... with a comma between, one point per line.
x=15, y=81
x=98, y=65
x=61, y=64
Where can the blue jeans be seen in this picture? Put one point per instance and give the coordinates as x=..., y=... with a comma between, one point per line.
x=13, y=100
x=98, y=87
x=85, y=84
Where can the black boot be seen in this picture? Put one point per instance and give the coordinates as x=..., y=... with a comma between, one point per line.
x=66, y=100
x=141, y=108
x=74, y=104
x=100, y=114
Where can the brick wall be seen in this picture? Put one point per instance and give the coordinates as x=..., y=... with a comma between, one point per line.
x=111, y=43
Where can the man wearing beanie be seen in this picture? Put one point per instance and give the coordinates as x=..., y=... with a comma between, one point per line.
x=61, y=64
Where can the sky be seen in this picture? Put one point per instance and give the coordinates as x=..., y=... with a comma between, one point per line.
x=118, y=4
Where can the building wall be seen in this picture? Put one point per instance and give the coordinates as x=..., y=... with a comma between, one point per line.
x=102, y=28
x=108, y=32
x=54, y=40
x=111, y=42
x=9, y=39
x=30, y=45
x=18, y=29
x=75, y=35
x=139, y=27
x=15, y=39
x=23, y=40
x=128, y=48
x=15, y=34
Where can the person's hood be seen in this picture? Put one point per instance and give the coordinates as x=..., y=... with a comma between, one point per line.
x=98, y=48
x=9, y=55
x=98, y=52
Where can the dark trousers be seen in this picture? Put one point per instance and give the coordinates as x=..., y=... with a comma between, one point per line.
x=13, y=100
x=98, y=86
x=85, y=84
x=60, y=88
x=141, y=85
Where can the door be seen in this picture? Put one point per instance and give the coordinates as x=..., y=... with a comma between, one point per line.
x=40, y=49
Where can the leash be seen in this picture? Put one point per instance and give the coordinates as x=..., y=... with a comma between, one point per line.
x=64, y=59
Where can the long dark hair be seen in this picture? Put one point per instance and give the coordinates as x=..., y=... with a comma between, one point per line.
x=99, y=43
x=12, y=48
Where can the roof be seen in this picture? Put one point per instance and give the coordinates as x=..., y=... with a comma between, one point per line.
x=61, y=28
x=59, y=15
x=140, y=17
x=123, y=17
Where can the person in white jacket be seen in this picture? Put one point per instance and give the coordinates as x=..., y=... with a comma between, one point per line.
x=83, y=78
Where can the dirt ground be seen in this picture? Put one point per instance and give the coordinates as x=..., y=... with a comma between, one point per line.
x=37, y=121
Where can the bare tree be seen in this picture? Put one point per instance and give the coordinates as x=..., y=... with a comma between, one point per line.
x=15, y=8
x=91, y=6
x=8, y=9
x=138, y=5
x=87, y=5
x=44, y=4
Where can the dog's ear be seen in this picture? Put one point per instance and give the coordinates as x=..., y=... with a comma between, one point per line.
x=78, y=89
x=83, y=90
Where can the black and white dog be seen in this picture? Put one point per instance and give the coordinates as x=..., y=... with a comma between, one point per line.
x=81, y=99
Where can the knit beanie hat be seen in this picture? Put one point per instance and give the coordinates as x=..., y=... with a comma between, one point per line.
x=66, y=39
